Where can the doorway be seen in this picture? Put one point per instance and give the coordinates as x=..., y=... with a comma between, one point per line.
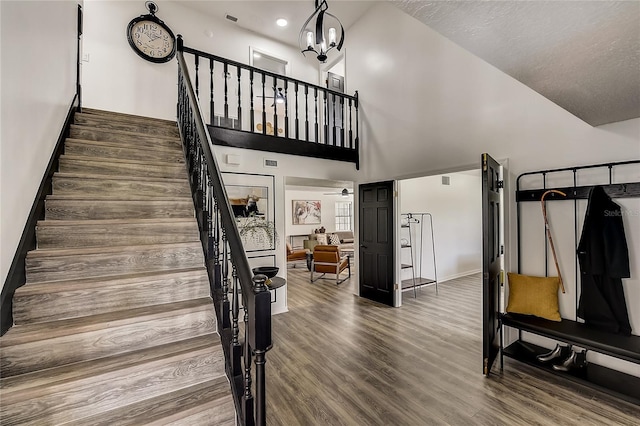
x=446, y=244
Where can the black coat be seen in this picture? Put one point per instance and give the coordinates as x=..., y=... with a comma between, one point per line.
x=604, y=260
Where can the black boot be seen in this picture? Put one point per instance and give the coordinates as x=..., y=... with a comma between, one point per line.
x=561, y=352
x=574, y=361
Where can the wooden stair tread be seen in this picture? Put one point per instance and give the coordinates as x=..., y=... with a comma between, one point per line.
x=86, y=369
x=125, y=221
x=120, y=197
x=47, y=287
x=124, y=117
x=26, y=333
x=183, y=182
x=124, y=383
x=125, y=145
x=83, y=158
x=40, y=253
x=166, y=407
x=124, y=132
x=105, y=120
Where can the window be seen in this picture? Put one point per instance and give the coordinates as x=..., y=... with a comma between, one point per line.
x=343, y=216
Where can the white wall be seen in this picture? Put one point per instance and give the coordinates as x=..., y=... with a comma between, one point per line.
x=117, y=79
x=328, y=205
x=38, y=84
x=457, y=223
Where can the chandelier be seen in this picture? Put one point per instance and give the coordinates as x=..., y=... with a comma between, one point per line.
x=312, y=37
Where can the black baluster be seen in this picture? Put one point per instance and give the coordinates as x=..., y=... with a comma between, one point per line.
x=226, y=323
x=286, y=109
x=197, y=77
x=297, y=121
x=236, y=366
x=239, y=119
x=335, y=134
x=325, y=109
x=315, y=103
x=226, y=94
x=342, y=119
x=264, y=108
x=306, y=112
x=247, y=398
x=275, y=106
x=350, y=125
x=357, y=134
x=252, y=118
x=211, y=104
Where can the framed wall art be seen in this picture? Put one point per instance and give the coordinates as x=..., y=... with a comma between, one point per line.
x=306, y=212
x=253, y=203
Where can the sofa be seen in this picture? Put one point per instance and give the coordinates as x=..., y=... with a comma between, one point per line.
x=345, y=238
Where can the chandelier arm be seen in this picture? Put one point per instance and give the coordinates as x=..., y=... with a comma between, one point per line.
x=339, y=46
x=304, y=27
x=320, y=28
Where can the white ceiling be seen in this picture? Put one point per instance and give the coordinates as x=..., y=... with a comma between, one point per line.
x=582, y=55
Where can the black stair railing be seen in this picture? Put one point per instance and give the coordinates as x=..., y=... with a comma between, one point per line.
x=242, y=301
x=277, y=105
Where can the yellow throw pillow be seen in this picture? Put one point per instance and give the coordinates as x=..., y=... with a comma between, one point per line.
x=536, y=296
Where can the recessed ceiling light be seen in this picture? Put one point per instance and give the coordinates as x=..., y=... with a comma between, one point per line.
x=281, y=22
x=256, y=55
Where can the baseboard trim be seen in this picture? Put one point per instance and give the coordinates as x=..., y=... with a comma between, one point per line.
x=459, y=275
x=17, y=274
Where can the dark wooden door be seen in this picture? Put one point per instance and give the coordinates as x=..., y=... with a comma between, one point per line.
x=376, y=242
x=491, y=254
x=335, y=109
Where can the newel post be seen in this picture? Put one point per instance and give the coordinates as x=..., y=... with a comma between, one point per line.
x=260, y=341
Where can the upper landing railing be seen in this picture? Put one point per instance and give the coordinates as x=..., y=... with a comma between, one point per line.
x=275, y=112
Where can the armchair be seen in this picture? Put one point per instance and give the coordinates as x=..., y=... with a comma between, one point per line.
x=327, y=260
x=296, y=255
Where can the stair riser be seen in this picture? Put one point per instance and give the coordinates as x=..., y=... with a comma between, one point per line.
x=56, y=268
x=126, y=118
x=131, y=188
x=94, y=300
x=140, y=141
x=78, y=148
x=49, y=237
x=106, y=124
x=170, y=171
x=85, y=209
x=66, y=402
x=112, y=340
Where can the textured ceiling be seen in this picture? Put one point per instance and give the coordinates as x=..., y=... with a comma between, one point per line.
x=582, y=55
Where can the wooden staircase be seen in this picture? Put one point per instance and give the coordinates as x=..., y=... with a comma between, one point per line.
x=115, y=325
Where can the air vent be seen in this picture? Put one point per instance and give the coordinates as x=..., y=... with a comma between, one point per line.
x=446, y=180
x=270, y=163
x=231, y=18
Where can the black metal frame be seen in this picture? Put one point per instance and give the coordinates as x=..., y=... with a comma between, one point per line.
x=572, y=332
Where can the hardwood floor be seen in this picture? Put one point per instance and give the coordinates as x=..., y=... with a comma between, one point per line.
x=342, y=360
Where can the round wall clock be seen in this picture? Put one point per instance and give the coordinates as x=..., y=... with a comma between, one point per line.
x=151, y=38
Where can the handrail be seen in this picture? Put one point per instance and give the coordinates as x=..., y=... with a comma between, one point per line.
x=215, y=217
x=265, y=72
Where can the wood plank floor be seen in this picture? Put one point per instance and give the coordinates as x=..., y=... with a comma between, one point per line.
x=343, y=360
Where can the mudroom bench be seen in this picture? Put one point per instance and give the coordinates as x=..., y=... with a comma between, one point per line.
x=611, y=381
x=627, y=348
